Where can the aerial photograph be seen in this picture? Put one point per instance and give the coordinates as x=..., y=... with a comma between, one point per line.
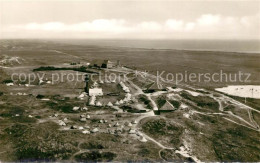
x=129, y=81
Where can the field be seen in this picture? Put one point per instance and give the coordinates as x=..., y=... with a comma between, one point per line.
x=173, y=61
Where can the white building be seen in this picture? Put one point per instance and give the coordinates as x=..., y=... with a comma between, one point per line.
x=95, y=92
x=124, y=87
x=92, y=100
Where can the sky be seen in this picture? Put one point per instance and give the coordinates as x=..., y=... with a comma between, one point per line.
x=130, y=19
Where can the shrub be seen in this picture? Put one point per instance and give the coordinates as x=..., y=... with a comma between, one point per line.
x=51, y=68
x=95, y=156
x=40, y=96
x=161, y=101
x=132, y=110
x=7, y=81
x=92, y=145
x=146, y=101
x=176, y=104
x=163, y=129
x=202, y=101
x=144, y=152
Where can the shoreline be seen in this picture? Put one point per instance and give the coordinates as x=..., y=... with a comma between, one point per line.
x=67, y=41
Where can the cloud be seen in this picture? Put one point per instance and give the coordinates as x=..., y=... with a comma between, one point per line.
x=204, y=26
x=46, y=26
x=208, y=19
x=189, y=26
x=98, y=25
x=153, y=26
x=176, y=25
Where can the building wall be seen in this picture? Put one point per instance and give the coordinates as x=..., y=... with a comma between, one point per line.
x=95, y=92
x=110, y=65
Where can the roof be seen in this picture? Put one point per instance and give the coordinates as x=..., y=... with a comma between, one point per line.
x=107, y=62
x=155, y=86
x=95, y=90
x=97, y=62
x=167, y=106
x=109, y=104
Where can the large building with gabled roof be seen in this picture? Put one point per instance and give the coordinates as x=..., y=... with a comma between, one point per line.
x=155, y=86
x=167, y=107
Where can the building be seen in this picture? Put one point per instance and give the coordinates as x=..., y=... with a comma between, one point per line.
x=92, y=88
x=155, y=86
x=97, y=63
x=167, y=107
x=95, y=92
x=106, y=64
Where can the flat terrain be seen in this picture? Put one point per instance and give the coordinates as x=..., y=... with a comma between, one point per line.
x=172, y=61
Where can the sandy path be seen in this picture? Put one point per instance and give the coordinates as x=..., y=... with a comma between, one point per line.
x=60, y=52
x=239, y=124
x=152, y=101
x=139, y=90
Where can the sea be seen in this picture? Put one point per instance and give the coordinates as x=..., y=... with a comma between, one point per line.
x=245, y=46
x=200, y=57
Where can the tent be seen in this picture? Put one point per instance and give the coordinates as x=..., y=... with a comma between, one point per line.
x=130, y=124
x=81, y=128
x=121, y=102
x=183, y=106
x=82, y=116
x=81, y=95
x=132, y=131
x=85, y=132
x=75, y=108
x=109, y=104
x=98, y=104
x=117, y=103
x=94, y=130
x=61, y=123
x=85, y=108
x=134, y=122
x=117, y=124
x=142, y=139
x=83, y=119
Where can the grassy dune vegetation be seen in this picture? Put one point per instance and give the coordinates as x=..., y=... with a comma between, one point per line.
x=163, y=130
x=202, y=101
x=211, y=138
x=51, y=68
x=29, y=129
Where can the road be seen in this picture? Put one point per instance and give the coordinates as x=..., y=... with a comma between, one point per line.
x=74, y=56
